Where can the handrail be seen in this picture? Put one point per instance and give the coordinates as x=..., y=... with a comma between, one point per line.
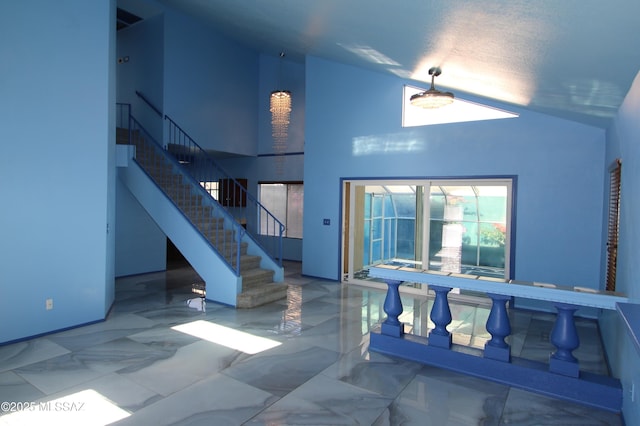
x=260, y=223
x=149, y=103
x=576, y=295
x=202, y=211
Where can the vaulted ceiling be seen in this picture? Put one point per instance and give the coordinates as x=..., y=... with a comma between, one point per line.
x=574, y=59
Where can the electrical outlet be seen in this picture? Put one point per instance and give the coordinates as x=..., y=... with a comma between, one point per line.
x=49, y=304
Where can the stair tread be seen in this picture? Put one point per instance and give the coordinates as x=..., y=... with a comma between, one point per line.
x=250, y=256
x=262, y=295
x=255, y=271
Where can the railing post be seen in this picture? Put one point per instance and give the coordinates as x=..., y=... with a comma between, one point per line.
x=499, y=327
x=238, y=243
x=129, y=131
x=564, y=337
x=441, y=317
x=185, y=148
x=281, y=227
x=393, y=308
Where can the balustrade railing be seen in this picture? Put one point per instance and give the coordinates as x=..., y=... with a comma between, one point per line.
x=228, y=191
x=561, y=377
x=149, y=103
x=221, y=230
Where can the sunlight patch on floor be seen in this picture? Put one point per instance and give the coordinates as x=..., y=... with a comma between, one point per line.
x=84, y=408
x=229, y=337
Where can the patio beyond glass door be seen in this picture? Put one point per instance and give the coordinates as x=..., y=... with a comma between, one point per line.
x=461, y=226
x=468, y=229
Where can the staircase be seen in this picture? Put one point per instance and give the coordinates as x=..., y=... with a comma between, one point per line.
x=226, y=237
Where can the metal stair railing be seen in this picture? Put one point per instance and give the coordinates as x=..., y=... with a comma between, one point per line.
x=263, y=227
x=221, y=230
x=123, y=111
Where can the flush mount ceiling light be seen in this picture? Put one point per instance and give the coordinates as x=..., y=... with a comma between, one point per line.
x=432, y=98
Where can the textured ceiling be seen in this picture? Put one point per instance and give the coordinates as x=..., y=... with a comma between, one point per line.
x=574, y=59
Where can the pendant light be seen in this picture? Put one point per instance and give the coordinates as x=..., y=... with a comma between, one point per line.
x=432, y=98
x=280, y=107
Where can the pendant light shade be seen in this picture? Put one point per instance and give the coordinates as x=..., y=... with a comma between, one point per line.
x=280, y=107
x=432, y=98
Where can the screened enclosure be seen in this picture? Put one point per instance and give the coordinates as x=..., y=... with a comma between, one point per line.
x=460, y=226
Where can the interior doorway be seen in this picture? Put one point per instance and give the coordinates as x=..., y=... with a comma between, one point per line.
x=175, y=259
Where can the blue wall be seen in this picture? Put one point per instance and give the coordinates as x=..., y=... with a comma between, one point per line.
x=57, y=237
x=353, y=130
x=141, y=246
x=143, y=46
x=210, y=86
x=260, y=169
x=623, y=139
x=622, y=143
x=276, y=73
x=110, y=278
x=58, y=180
x=290, y=76
x=203, y=81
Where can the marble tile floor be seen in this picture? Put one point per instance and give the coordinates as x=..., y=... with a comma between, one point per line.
x=299, y=361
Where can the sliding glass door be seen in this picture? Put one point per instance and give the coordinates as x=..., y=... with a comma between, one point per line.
x=460, y=226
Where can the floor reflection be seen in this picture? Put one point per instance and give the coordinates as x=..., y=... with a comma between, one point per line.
x=321, y=371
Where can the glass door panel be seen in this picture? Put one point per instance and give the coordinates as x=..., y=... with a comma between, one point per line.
x=457, y=226
x=468, y=229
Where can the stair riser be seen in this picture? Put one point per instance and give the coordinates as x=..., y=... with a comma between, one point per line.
x=265, y=277
x=182, y=192
x=155, y=165
x=250, y=300
x=248, y=264
x=220, y=236
x=201, y=217
x=170, y=182
x=229, y=244
x=209, y=230
x=229, y=252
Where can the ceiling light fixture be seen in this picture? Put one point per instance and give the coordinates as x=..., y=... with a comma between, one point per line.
x=432, y=98
x=280, y=108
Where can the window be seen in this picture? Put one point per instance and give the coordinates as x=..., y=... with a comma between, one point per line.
x=211, y=188
x=613, y=226
x=468, y=228
x=285, y=201
x=461, y=226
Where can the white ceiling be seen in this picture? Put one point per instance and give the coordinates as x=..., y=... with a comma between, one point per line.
x=574, y=59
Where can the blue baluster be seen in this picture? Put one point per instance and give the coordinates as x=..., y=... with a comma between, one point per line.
x=564, y=337
x=393, y=308
x=441, y=317
x=499, y=327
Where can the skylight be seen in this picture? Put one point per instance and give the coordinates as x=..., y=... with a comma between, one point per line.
x=459, y=111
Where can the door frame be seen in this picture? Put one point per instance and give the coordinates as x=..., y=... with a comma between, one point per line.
x=348, y=220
